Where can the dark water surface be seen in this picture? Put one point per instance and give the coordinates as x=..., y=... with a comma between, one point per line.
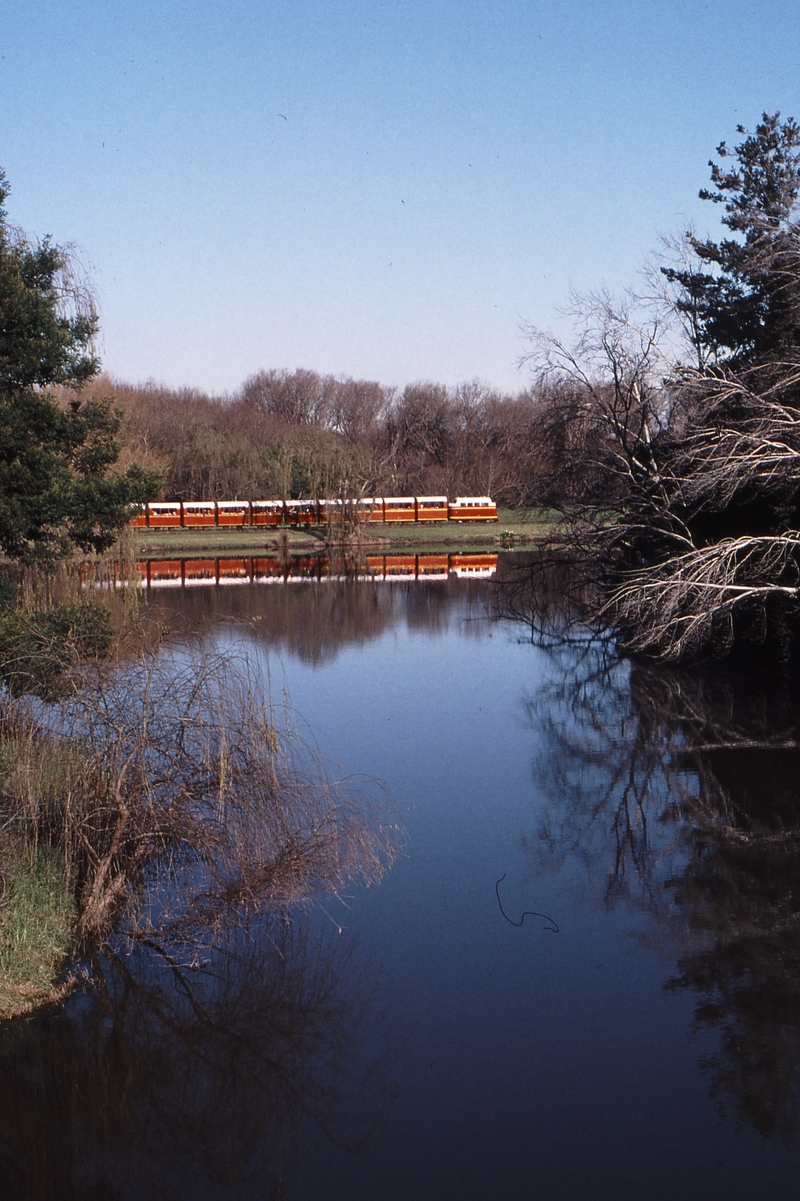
x=637, y=1035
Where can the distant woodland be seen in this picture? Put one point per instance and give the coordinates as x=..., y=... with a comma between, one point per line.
x=299, y=434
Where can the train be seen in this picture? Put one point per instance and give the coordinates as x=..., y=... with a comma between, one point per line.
x=205, y=514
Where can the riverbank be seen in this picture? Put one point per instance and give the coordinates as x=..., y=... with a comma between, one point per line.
x=515, y=527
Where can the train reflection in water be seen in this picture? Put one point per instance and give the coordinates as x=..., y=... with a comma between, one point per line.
x=192, y=573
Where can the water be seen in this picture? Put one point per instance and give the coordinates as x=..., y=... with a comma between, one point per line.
x=412, y=1039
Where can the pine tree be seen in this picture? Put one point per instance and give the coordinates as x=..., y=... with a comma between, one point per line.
x=743, y=300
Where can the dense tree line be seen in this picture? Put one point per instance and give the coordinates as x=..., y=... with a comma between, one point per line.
x=296, y=433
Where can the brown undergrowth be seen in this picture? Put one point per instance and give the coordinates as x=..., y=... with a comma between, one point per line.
x=165, y=796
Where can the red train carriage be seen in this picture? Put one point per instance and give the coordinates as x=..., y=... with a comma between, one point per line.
x=432, y=508
x=233, y=512
x=369, y=509
x=330, y=510
x=302, y=512
x=266, y=512
x=164, y=515
x=199, y=514
x=472, y=508
x=399, y=508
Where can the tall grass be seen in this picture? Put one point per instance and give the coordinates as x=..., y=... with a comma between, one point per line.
x=37, y=916
x=170, y=799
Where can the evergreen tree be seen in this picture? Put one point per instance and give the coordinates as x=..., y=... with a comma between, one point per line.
x=55, y=488
x=743, y=300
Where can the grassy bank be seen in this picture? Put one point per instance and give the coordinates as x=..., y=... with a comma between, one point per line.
x=152, y=543
x=37, y=916
x=517, y=527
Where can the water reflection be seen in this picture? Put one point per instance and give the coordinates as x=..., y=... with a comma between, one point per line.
x=316, y=623
x=299, y=569
x=168, y=1081
x=680, y=791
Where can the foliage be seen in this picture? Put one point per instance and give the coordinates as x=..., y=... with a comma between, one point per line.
x=38, y=648
x=740, y=296
x=55, y=487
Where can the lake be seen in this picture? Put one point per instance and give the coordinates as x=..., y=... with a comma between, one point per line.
x=579, y=978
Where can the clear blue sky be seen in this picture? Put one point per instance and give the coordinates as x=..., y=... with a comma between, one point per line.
x=378, y=189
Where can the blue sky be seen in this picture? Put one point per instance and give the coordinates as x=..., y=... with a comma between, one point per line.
x=384, y=190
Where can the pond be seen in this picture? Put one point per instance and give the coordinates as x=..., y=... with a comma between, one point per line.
x=580, y=978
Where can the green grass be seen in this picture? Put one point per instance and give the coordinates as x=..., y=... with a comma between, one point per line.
x=153, y=543
x=36, y=922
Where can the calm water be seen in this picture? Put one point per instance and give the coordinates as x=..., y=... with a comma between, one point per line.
x=636, y=1035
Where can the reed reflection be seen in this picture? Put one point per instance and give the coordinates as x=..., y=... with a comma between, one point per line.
x=680, y=792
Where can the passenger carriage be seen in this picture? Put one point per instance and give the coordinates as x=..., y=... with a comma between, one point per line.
x=204, y=514
x=330, y=511
x=472, y=508
x=302, y=512
x=199, y=514
x=233, y=512
x=399, y=508
x=368, y=508
x=432, y=508
x=266, y=512
x=164, y=515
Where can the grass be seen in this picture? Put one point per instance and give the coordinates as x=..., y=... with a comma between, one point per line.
x=520, y=527
x=37, y=918
x=179, y=542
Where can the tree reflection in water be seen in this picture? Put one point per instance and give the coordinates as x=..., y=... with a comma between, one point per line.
x=168, y=1081
x=214, y=1022
x=680, y=790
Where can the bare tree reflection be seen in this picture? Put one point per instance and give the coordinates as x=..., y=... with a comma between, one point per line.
x=169, y=1081
x=316, y=624
x=680, y=793
x=195, y=829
